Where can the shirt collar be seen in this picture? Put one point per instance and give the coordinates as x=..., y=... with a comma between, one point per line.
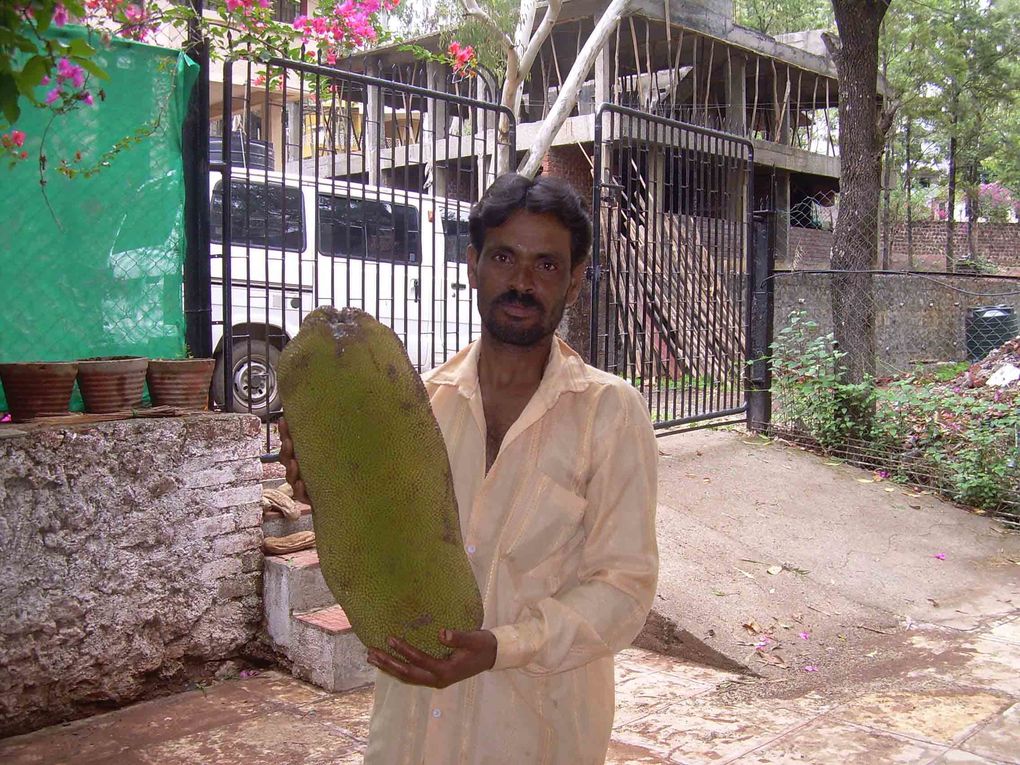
x=564, y=371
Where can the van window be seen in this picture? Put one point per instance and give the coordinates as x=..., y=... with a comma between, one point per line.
x=456, y=238
x=264, y=215
x=368, y=228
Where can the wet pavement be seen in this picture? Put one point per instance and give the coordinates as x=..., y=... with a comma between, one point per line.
x=936, y=695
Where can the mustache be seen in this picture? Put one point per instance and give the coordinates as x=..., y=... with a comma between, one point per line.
x=522, y=299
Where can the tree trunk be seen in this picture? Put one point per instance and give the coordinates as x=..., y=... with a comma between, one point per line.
x=909, y=179
x=861, y=140
x=951, y=208
x=973, y=211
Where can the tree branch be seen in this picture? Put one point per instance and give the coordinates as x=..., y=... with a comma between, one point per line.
x=552, y=12
x=567, y=97
x=472, y=8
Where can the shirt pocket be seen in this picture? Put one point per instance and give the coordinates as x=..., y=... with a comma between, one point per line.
x=551, y=516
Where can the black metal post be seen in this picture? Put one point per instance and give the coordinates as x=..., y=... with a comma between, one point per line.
x=759, y=383
x=195, y=137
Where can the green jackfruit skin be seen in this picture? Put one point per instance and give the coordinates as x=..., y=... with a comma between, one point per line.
x=375, y=467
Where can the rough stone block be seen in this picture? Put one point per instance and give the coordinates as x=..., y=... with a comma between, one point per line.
x=111, y=576
x=237, y=542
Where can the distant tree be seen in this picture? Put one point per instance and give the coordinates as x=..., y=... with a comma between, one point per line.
x=776, y=17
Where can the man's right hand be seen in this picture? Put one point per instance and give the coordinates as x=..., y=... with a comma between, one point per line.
x=289, y=461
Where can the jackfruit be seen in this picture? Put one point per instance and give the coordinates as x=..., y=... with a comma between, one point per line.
x=376, y=470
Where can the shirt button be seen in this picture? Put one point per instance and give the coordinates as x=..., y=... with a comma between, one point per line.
x=470, y=549
x=437, y=713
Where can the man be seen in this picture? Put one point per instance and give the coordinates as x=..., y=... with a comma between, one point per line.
x=554, y=466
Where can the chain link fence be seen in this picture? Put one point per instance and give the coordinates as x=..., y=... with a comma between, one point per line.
x=93, y=264
x=916, y=376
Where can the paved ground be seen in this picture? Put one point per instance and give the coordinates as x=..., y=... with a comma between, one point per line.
x=960, y=705
x=864, y=648
x=762, y=541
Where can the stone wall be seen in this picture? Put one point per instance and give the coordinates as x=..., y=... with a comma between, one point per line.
x=130, y=559
x=918, y=318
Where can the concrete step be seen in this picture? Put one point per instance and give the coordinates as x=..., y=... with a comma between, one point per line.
x=292, y=583
x=275, y=525
x=325, y=651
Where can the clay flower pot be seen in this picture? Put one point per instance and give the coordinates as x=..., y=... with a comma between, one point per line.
x=181, y=383
x=34, y=389
x=112, y=383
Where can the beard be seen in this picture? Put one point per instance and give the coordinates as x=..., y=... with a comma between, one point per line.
x=520, y=333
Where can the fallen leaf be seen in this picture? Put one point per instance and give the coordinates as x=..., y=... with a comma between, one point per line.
x=890, y=488
x=752, y=627
x=865, y=480
x=773, y=659
x=749, y=576
x=774, y=570
x=810, y=668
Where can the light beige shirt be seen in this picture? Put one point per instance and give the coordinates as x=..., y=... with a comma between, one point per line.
x=561, y=537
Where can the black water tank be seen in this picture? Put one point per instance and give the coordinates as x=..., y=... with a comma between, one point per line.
x=987, y=327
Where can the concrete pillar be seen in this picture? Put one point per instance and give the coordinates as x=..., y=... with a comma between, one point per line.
x=736, y=95
x=782, y=200
x=736, y=123
x=434, y=132
x=374, y=135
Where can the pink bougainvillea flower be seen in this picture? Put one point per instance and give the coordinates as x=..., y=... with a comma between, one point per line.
x=53, y=96
x=45, y=80
x=810, y=668
x=939, y=556
x=233, y=5
x=18, y=137
x=135, y=13
x=454, y=49
x=804, y=635
x=59, y=15
x=87, y=98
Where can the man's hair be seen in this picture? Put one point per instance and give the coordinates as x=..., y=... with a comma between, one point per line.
x=512, y=192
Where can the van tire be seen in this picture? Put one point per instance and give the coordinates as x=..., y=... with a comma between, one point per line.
x=254, y=379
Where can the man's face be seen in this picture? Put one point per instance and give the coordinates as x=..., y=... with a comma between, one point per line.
x=523, y=278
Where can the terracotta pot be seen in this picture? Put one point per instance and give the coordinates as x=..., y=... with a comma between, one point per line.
x=182, y=383
x=34, y=388
x=112, y=383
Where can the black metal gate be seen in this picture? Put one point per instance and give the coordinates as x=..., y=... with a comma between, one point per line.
x=671, y=300
x=329, y=187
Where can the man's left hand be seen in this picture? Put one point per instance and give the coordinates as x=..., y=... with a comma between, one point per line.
x=473, y=653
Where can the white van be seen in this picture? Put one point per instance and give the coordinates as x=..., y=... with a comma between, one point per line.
x=399, y=255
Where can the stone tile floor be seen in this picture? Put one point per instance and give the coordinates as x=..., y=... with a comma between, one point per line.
x=960, y=705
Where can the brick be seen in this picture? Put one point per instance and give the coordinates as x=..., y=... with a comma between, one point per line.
x=332, y=619
x=238, y=542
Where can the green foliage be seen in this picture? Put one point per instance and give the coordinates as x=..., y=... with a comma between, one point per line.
x=921, y=429
x=807, y=388
x=955, y=66
x=775, y=17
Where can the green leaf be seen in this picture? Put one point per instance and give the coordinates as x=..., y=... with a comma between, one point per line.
x=92, y=67
x=9, y=98
x=31, y=73
x=79, y=47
